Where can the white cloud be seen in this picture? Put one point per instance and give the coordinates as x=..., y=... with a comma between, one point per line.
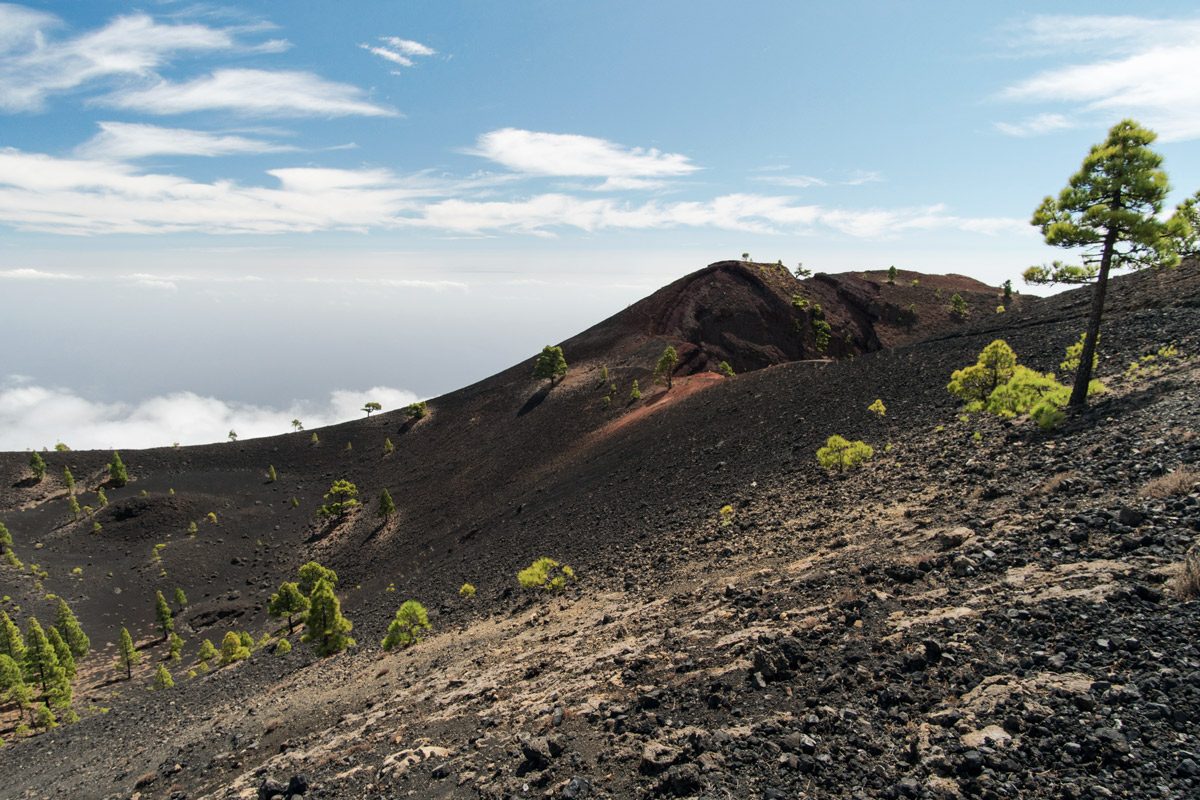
x=861, y=176
x=35, y=275
x=1036, y=125
x=251, y=91
x=792, y=181
x=572, y=155
x=1132, y=66
x=408, y=47
x=33, y=416
x=399, y=51
x=34, y=65
x=81, y=196
x=125, y=141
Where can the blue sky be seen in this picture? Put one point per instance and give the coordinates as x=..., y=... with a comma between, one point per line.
x=247, y=189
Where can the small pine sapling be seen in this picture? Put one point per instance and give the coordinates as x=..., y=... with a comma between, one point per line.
x=69, y=480
x=635, y=393
x=272, y=475
x=101, y=497
x=174, y=646
x=467, y=591
x=283, y=647
x=163, y=679
x=840, y=454
x=725, y=370
x=38, y=465
x=958, y=307
x=892, y=275
x=117, y=474
x=71, y=631
x=181, y=600
x=725, y=515
x=232, y=648
x=878, y=408
x=388, y=447
x=546, y=574
x=387, y=508
x=207, y=652
x=314, y=439
x=405, y=629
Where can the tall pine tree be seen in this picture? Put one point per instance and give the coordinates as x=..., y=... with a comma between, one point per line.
x=127, y=655
x=325, y=628
x=162, y=612
x=71, y=631
x=288, y=602
x=12, y=644
x=1109, y=209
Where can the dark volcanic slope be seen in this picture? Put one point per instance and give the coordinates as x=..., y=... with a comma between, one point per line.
x=504, y=471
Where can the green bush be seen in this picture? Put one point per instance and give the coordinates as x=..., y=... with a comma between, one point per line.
x=958, y=307
x=878, y=408
x=38, y=465
x=840, y=454
x=635, y=393
x=283, y=647
x=467, y=590
x=546, y=574
x=233, y=649
x=116, y=470
x=551, y=364
x=405, y=630
x=822, y=333
x=416, y=411
x=1070, y=362
x=725, y=369
x=974, y=384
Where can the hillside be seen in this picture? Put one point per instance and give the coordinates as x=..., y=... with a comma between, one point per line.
x=960, y=618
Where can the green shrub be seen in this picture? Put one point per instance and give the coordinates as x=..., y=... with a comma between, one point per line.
x=635, y=393
x=233, y=649
x=664, y=371
x=116, y=470
x=958, y=307
x=725, y=369
x=405, y=630
x=1070, y=362
x=283, y=647
x=725, y=515
x=1021, y=392
x=416, y=411
x=546, y=574
x=272, y=475
x=822, y=333
x=878, y=408
x=840, y=454
x=974, y=384
x=467, y=590
x=388, y=447
x=163, y=679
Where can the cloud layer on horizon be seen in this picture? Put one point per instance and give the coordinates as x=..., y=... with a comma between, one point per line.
x=36, y=417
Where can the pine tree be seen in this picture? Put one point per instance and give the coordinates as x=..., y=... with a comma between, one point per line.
x=665, y=369
x=12, y=644
x=12, y=682
x=312, y=572
x=207, y=652
x=232, y=648
x=180, y=598
x=127, y=656
x=71, y=631
x=387, y=509
x=102, y=497
x=116, y=470
x=163, y=679
x=287, y=602
x=371, y=406
x=272, y=475
x=892, y=275
x=1110, y=209
x=162, y=612
x=69, y=480
x=388, y=447
x=175, y=646
x=73, y=504
x=325, y=628
x=62, y=651
x=411, y=618
x=635, y=393
x=41, y=661
x=38, y=465
x=551, y=364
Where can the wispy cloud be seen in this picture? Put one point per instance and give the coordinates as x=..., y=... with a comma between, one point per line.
x=26, y=274
x=251, y=91
x=399, y=51
x=33, y=416
x=126, y=141
x=1036, y=125
x=82, y=196
x=1130, y=66
x=856, y=178
x=34, y=64
x=572, y=155
x=861, y=176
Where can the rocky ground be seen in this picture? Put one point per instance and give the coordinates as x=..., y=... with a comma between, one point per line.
x=966, y=616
